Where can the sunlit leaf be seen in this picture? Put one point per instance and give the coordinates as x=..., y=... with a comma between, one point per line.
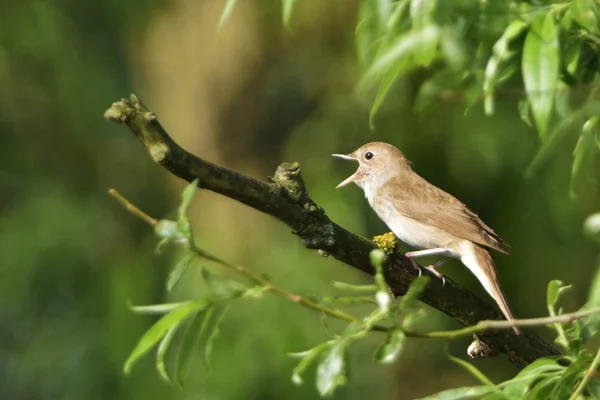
x=178, y=271
x=287, y=8
x=584, y=150
x=307, y=358
x=161, y=353
x=591, y=227
x=541, y=69
x=500, y=53
x=473, y=392
x=213, y=335
x=399, y=7
x=389, y=350
x=585, y=12
x=331, y=371
x=553, y=292
x=193, y=333
x=226, y=13
x=404, y=45
x=160, y=328
x=157, y=308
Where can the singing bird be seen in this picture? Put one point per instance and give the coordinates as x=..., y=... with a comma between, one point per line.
x=426, y=217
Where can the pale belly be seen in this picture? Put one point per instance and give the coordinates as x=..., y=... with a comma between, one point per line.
x=417, y=234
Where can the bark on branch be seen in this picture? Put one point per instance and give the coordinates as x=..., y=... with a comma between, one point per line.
x=285, y=198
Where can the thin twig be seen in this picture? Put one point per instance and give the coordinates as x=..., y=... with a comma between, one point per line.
x=586, y=377
x=495, y=324
x=257, y=279
x=296, y=298
x=131, y=208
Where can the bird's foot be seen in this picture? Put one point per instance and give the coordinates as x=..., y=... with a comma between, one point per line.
x=434, y=271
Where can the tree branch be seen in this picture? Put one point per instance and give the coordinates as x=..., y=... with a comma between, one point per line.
x=285, y=198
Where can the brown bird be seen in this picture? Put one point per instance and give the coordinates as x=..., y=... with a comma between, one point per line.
x=426, y=217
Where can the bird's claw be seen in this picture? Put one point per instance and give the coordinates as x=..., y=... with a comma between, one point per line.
x=435, y=272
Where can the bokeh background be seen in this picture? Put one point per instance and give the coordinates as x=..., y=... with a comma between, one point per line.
x=249, y=96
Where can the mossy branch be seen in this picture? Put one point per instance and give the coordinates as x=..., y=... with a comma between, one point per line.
x=285, y=198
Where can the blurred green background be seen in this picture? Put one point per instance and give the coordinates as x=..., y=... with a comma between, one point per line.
x=249, y=97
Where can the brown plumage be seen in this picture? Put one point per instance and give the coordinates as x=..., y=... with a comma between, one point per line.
x=425, y=216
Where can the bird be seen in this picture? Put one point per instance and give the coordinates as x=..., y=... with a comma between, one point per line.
x=426, y=217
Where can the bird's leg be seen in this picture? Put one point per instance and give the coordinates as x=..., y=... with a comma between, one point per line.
x=431, y=268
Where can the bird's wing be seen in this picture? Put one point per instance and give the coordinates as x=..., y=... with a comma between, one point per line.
x=430, y=205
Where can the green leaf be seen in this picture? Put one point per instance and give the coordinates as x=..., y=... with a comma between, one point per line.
x=213, y=335
x=226, y=13
x=157, y=308
x=389, y=350
x=354, y=288
x=403, y=46
x=474, y=371
x=524, y=110
x=500, y=53
x=222, y=287
x=384, y=87
x=585, y=12
x=183, y=220
x=178, y=271
x=473, y=392
x=160, y=328
x=332, y=370
x=591, y=227
x=553, y=292
x=161, y=352
x=414, y=291
x=193, y=333
x=287, y=7
x=307, y=358
x=540, y=66
x=542, y=389
x=397, y=13
x=531, y=375
x=421, y=13
x=591, y=325
x=584, y=150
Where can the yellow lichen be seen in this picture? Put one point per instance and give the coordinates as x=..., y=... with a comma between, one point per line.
x=386, y=242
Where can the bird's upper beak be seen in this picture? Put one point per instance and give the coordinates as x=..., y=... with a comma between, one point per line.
x=352, y=177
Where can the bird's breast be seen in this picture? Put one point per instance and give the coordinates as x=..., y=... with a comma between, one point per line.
x=415, y=233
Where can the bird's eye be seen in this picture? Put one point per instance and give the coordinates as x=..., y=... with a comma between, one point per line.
x=369, y=155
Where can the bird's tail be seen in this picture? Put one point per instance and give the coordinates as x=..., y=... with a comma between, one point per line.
x=480, y=262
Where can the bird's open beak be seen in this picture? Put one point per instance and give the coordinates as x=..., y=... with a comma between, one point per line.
x=352, y=177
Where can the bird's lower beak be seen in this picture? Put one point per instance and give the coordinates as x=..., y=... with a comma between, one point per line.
x=348, y=180
x=351, y=178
